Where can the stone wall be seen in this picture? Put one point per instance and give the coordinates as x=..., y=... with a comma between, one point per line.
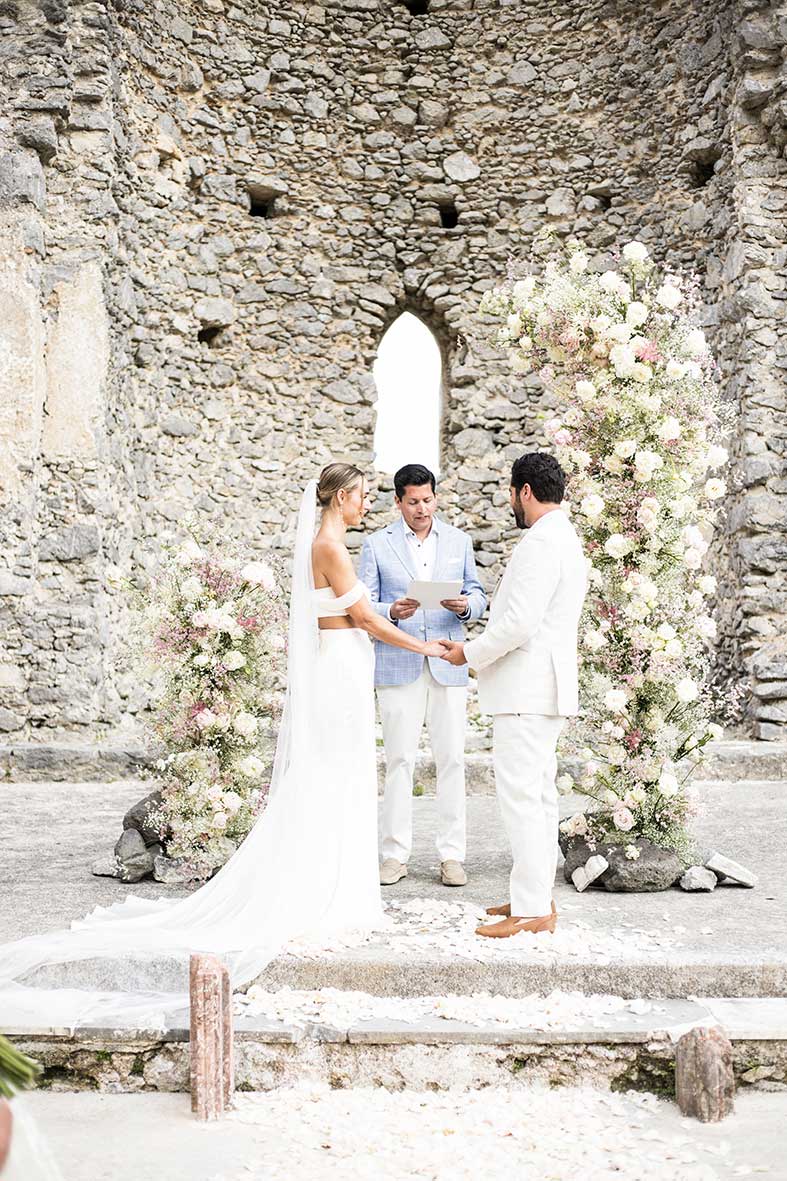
x=213, y=211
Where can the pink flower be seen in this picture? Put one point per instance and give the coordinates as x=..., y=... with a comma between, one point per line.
x=623, y=819
x=649, y=351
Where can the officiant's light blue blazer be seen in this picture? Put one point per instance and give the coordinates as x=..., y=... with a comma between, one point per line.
x=387, y=569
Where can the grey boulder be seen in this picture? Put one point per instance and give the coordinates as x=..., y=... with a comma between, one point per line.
x=697, y=877
x=135, y=859
x=138, y=817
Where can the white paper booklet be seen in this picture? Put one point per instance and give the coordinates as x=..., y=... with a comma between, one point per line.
x=430, y=594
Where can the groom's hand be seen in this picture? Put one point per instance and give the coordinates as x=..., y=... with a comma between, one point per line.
x=455, y=654
x=404, y=608
x=458, y=606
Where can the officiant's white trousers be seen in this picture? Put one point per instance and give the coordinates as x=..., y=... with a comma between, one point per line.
x=525, y=761
x=403, y=711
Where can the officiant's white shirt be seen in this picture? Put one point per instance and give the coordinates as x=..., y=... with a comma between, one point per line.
x=526, y=659
x=424, y=555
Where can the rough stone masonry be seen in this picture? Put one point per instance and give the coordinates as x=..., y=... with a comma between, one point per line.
x=212, y=211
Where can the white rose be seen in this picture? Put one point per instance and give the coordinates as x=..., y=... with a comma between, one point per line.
x=707, y=584
x=623, y=358
x=259, y=574
x=244, y=724
x=636, y=313
x=564, y=784
x=233, y=660
x=668, y=785
x=707, y=627
x=617, y=546
x=232, y=801
x=620, y=333
x=646, y=463
x=635, y=252
x=191, y=589
x=674, y=370
x=615, y=700
x=669, y=429
x=673, y=648
x=524, y=288
x=592, y=506
x=625, y=448
x=594, y=639
x=202, y=659
x=716, y=732
x=585, y=390
x=189, y=552
x=514, y=324
x=641, y=372
x=647, y=518
x=223, y=722
x=578, y=263
x=623, y=819
x=200, y=619
x=693, y=558
x=716, y=457
x=614, y=465
x=694, y=343
x=715, y=488
x=687, y=690
x=251, y=766
x=668, y=296
x=666, y=631
x=205, y=719
x=692, y=535
x=219, y=820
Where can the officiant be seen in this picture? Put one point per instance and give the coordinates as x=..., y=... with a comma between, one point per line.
x=412, y=690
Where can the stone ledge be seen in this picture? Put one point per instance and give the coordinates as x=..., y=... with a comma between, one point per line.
x=730, y=760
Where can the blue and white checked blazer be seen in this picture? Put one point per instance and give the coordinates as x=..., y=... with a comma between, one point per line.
x=387, y=569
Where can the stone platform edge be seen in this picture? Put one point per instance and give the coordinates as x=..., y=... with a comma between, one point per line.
x=728, y=760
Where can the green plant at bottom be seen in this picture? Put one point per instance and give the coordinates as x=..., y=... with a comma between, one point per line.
x=17, y=1071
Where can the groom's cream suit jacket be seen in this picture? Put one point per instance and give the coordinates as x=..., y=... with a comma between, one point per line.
x=526, y=659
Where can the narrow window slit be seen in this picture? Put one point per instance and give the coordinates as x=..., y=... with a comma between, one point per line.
x=449, y=216
x=209, y=335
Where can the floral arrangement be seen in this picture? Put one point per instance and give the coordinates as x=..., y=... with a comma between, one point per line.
x=638, y=434
x=213, y=628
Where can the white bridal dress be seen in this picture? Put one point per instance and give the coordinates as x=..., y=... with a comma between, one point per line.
x=307, y=869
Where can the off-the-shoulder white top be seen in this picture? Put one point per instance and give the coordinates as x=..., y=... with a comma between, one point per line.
x=328, y=604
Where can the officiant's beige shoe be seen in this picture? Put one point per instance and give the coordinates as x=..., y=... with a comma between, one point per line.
x=392, y=871
x=452, y=873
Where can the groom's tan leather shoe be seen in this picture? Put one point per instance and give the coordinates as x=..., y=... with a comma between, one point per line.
x=512, y=926
x=505, y=910
x=392, y=871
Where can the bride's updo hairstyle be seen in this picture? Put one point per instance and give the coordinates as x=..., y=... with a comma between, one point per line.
x=334, y=478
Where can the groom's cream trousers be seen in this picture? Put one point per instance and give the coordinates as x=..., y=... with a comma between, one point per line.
x=403, y=711
x=525, y=759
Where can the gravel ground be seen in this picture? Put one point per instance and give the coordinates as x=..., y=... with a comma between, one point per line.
x=322, y=1135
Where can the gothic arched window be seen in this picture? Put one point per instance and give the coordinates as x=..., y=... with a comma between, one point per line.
x=408, y=376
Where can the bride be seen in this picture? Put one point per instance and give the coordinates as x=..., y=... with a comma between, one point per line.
x=308, y=868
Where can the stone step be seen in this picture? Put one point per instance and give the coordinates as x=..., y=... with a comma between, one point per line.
x=730, y=760
x=622, y=1050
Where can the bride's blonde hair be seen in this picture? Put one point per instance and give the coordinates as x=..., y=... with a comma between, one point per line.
x=335, y=478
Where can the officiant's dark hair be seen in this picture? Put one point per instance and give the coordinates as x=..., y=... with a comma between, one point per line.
x=543, y=473
x=412, y=475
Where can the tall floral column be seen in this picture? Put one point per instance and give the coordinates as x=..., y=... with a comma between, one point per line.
x=638, y=433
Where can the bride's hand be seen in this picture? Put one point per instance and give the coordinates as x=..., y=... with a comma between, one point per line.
x=436, y=648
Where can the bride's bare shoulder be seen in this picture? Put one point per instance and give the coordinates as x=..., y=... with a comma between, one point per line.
x=327, y=552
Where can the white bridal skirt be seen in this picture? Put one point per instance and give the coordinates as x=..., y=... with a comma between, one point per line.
x=308, y=870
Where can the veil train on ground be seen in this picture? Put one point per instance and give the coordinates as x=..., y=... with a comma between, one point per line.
x=284, y=882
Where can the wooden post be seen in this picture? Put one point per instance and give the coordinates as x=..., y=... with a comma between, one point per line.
x=704, y=1082
x=210, y=1052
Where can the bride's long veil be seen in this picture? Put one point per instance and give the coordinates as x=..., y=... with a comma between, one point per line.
x=128, y=962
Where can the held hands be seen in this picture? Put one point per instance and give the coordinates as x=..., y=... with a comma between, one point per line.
x=436, y=647
x=454, y=653
x=404, y=608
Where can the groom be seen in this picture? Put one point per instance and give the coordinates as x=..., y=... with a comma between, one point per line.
x=411, y=690
x=526, y=660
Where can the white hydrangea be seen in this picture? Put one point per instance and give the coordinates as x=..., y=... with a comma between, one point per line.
x=617, y=546
x=245, y=724
x=592, y=506
x=636, y=313
x=668, y=297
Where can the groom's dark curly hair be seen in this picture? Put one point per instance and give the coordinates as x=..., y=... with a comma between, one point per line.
x=543, y=473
